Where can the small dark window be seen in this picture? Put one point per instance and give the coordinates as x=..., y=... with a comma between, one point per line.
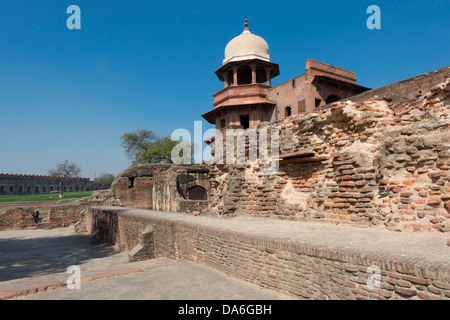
x=29, y=189
x=20, y=189
x=11, y=189
x=244, y=75
x=317, y=102
x=245, y=121
x=37, y=188
x=222, y=123
x=197, y=193
x=2, y=188
x=287, y=111
x=293, y=83
x=130, y=183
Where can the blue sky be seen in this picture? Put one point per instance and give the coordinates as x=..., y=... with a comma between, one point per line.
x=71, y=94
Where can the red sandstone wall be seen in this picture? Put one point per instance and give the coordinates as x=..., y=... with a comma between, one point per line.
x=140, y=195
x=315, y=68
x=290, y=93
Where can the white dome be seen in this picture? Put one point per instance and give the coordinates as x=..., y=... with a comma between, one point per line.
x=247, y=46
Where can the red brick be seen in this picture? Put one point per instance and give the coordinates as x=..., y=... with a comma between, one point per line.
x=447, y=206
x=350, y=284
x=434, y=200
x=385, y=293
x=442, y=285
x=415, y=280
x=105, y=275
x=406, y=194
x=6, y=294
x=404, y=291
x=129, y=271
x=427, y=296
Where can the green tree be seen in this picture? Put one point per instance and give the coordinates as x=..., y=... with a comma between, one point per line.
x=144, y=146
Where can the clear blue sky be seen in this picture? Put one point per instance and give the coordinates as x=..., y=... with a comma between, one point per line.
x=71, y=94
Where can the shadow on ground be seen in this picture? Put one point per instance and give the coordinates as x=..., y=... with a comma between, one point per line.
x=27, y=256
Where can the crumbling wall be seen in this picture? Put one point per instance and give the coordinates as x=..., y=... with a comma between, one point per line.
x=383, y=161
x=16, y=218
x=162, y=187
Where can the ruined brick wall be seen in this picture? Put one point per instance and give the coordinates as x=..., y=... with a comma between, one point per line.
x=162, y=187
x=65, y=215
x=410, y=88
x=16, y=218
x=383, y=161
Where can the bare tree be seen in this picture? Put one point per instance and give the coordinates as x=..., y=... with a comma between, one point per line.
x=63, y=172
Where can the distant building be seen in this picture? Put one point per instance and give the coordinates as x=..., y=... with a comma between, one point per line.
x=25, y=184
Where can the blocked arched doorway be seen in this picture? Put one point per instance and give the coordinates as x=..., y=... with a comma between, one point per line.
x=197, y=193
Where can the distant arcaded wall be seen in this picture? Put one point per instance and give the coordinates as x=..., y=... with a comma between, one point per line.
x=25, y=184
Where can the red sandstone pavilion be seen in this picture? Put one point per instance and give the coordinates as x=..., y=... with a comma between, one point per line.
x=248, y=98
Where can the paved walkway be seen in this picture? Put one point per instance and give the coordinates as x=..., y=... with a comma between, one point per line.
x=34, y=264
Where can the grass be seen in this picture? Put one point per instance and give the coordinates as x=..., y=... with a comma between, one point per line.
x=46, y=197
x=43, y=212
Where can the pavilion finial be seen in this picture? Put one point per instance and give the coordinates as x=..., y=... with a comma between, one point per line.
x=246, y=26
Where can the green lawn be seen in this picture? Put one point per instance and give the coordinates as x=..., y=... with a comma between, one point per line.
x=46, y=197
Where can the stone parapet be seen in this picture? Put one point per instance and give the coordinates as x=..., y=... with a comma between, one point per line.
x=301, y=266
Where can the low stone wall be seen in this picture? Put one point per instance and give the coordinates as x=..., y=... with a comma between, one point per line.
x=65, y=215
x=28, y=204
x=306, y=271
x=16, y=218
